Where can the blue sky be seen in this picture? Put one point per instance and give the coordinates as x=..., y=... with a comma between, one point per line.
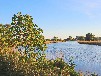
x=60, y=18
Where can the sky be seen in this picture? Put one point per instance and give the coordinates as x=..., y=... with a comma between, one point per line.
x=61, y=18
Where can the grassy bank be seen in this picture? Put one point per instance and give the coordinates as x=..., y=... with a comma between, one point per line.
x=90, y=42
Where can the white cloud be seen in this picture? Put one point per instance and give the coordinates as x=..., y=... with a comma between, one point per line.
x=90, y=7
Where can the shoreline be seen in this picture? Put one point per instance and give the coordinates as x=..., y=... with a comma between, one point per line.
x=90, y=42
x=80, y=42
x=48, y=42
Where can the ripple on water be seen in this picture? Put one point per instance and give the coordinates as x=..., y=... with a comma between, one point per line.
x=86, y=57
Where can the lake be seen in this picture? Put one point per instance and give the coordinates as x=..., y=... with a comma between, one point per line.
x=86, y=57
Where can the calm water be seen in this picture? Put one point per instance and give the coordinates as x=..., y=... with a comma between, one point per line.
x=86, y=57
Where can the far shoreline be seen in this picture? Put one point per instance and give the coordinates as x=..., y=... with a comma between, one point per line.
x=90, y=42
x=80, y=42
x=48, y=42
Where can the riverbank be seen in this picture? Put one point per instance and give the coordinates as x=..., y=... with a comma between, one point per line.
x=48, y=42
x=90, y=42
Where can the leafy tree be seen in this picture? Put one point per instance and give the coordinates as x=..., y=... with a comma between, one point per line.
x=4, y=36
x=22, y=32
x=82, y=38
x=89, y=37
x=55, y=38
x=70, y=38
x=25, y=33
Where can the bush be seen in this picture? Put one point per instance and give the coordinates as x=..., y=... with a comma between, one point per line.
x=14, y=64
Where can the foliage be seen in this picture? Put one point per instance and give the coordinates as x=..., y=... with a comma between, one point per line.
x=82, y=38
x=48, y=40
x=55, y=38
x=23, y=32
x=70, y=39
x=89, y=37
x=14, y=64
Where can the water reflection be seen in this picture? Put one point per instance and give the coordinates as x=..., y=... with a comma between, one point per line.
x=86, y=57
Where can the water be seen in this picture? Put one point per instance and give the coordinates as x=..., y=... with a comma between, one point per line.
x=86, y=57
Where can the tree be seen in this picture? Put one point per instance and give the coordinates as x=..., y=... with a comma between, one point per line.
x=23, y=32
x=4, y=36
x=70, y=38
x=89, y=37
x=47, y=39
x=82, y=38
x=55, y=38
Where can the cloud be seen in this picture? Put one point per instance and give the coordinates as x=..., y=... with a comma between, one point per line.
x=89, y=7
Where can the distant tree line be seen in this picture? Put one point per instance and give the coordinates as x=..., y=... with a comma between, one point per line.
x=54, y=39
x=87, y=37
